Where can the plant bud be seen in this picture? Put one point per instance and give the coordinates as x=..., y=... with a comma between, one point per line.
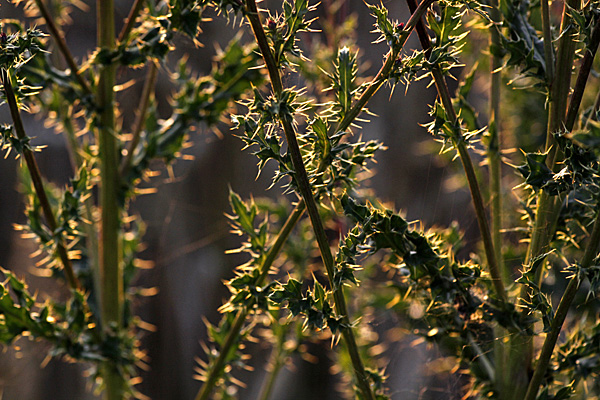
x=400, y=26
x=272, y=25
x=398, y=62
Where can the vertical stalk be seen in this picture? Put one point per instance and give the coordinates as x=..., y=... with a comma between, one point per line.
x=110, y=252
x=558, y=99
x=590, y=254
x=548, y=207
x=502, y=375
x=494, y=146
x=276, y=362
x=465, y=158
x=304, y=187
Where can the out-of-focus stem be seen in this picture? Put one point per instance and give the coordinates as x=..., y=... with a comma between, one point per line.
x=110, y=252
x=62, y=45
x=276, y=362
x=36, y=179
x=140, y=120
x=133, y=14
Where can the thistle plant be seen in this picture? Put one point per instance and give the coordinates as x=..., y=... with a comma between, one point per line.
x=318, y=276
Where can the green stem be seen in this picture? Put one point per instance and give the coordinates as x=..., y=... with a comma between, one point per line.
x=110, y=252
x=558, y=93
x=461, y=146
x=62, y=45
x=501, y=376
x=305, y=190
x=216, y=368
x=494, y=146
x=37, y=181
x=140, y=120
x=548, y=48
x=276, y=362
x=561, y=313
x=89, y=226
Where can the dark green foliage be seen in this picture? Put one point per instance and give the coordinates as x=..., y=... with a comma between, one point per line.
x=68, y=327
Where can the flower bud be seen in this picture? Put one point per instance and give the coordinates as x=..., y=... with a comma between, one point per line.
x=272, y=25
x=400, y=26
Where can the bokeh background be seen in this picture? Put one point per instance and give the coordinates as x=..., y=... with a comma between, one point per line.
x=187, y=232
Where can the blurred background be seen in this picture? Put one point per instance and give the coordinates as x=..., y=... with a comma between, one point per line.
x=188, y=234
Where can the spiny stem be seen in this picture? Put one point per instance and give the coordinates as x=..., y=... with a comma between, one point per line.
x=215, y=369
x=140, y=120
x=549, y=206
x=133, y=14
x=582, y=77
x=590, y=254
x=38, y=183
x=305, y=190
x=91, y=234
x=356, y=109
x=459, y=143
x=62, y=45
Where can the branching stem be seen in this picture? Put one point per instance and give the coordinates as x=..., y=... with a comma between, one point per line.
x=213, y=374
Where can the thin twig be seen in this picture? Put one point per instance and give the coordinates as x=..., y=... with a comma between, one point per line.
x=133, y=14
x=62, y=45
x=582, y=77
x=140, y=120
x=36, y=179
x=459, y=143
x=212, y=375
